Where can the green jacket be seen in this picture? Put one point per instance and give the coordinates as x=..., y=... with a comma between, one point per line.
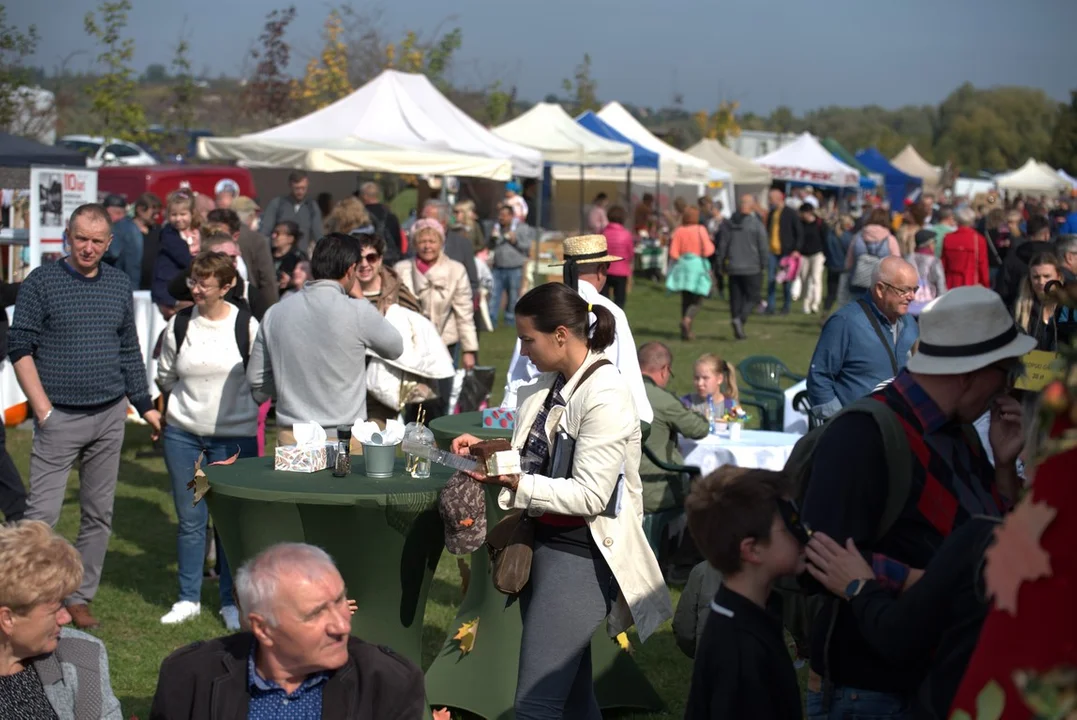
x=671, y=420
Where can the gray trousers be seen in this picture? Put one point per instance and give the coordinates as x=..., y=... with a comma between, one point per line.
x=564, y=602
x=95, y=439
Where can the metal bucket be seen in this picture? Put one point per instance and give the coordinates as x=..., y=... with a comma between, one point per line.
x=379, y=460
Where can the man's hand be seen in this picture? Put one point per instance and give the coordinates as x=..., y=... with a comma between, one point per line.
x=153, y=418
x=166, y=311
x=1006, y=434
x=468, y=360
x=41, y=413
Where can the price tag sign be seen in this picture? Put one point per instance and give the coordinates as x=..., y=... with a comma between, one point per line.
x=1041, y=367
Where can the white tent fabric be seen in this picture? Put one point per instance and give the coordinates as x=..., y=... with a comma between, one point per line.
x=398, y=111
x=675, y=164
x=1032, y=177
x=806, y=160
x=549, y=129
x=971, y=187
x=912, y=163
x=717, y=155
x=1068, y=178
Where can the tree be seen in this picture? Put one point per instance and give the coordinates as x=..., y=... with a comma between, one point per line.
x=431, y=58
x=15, y=47
x=114, y=104
x=155, y=73
x=1063, y=149
x=186, y=98
x=582, y=88
x=326, y=78
x=267, y=96
x=720, y=124
x=499, y=104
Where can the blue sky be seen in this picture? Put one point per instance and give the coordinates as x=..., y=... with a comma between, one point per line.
x=802, y=53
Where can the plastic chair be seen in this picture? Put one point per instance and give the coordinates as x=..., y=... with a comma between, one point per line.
x=655, y=524
x=765, y=407
x=763, y=375
x=803, y=404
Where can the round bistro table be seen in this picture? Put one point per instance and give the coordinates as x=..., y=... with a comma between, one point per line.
x=483, y=681
x=385, y=535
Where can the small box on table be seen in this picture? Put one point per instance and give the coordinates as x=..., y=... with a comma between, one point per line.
x=301, y=459
x=499, y=418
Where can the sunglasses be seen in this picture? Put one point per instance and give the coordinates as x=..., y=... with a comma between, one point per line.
x=791, y=517
x=369, y=258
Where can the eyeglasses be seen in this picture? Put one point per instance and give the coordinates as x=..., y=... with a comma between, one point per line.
x=903, y=291
x=201, y=284
x=369, y=258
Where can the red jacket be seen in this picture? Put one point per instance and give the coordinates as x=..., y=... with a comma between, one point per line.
x=964, y=258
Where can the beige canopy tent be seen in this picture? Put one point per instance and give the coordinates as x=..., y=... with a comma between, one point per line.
x=747, y=176
x=912, y=163
x=1032, y=177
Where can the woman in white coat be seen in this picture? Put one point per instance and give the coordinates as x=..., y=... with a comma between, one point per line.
x=591, y=559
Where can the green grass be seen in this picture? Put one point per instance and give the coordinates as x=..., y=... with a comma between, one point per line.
x=139, y=581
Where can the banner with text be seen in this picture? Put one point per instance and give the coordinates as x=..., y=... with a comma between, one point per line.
x=54, y=195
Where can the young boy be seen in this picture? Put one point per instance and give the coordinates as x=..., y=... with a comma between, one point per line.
x=748, y=529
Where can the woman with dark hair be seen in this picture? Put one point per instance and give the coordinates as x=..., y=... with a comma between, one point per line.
x=689, y=249
x=591, y=560
x=286, y=253
x=619, y=242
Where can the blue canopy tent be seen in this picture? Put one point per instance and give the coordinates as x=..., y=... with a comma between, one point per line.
x=641, y=156
x=898, y=184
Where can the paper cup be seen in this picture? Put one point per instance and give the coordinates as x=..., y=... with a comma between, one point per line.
x=734, y=431
x=379, y=460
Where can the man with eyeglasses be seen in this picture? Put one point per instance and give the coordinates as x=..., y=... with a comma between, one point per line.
x=865, y=342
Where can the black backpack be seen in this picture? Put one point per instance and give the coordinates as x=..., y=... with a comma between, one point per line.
x=243, y=331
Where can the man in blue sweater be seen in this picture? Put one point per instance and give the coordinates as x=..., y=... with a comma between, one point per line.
x=75, y=351
x=866, y=341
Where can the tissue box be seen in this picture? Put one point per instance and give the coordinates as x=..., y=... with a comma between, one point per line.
x=502, y=418
x=293, y=458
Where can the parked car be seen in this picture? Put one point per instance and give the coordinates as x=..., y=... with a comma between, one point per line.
x=175, y=145
x=115, y=152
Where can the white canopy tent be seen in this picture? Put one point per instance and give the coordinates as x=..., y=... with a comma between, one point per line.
x=395, y=111
x=676, y=165
x=1068, y=178
x=1032, y=177
x=546, y=127
x=912, y=163
x=807, y=161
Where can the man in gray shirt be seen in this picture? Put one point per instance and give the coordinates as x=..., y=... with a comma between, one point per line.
x=310, y=351
x=298, y=207
x=511, y=242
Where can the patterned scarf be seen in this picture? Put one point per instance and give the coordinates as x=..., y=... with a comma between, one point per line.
x=535, y=456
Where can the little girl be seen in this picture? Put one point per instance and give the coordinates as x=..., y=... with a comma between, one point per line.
x=711, y=373
x=180, y=241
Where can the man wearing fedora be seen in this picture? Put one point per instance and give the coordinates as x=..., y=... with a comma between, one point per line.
x=586, y=267
x=866, y=341
x=967, y=361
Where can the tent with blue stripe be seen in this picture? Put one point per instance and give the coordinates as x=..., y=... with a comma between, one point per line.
x=641, y=156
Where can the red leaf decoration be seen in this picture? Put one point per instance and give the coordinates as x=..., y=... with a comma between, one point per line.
x=1017, y=555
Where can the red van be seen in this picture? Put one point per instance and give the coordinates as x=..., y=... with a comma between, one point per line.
x=131, y=181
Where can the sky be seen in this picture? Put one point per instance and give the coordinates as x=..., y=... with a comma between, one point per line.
x=763, y=53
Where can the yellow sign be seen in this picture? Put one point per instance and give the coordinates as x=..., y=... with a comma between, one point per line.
x=1041, y=367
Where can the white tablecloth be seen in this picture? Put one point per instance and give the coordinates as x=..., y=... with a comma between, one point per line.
x=149, y=323
x=755, y=449
x=795, y=421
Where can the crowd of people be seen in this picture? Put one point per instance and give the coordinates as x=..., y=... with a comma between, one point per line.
x=284, y=309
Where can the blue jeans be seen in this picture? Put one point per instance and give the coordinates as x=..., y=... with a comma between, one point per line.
x=787, y=288
x=852, y=704
x=181, y=453
x=506, y=280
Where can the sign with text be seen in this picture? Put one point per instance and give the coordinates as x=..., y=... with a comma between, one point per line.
x=1041, y=368
x=54, y=194
x=813, y=177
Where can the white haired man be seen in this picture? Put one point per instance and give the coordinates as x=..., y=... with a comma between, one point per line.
x=298, y=659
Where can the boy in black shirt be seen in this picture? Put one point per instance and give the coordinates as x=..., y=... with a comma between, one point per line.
x=747, y=528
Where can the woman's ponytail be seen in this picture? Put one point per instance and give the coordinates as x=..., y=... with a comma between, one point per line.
x=604, y=330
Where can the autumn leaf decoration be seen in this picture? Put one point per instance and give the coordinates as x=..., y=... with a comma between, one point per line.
x=1051, y=695
x=200, y=483
x=989, y=704
x=466, y=636
x=1017, y=555
x=623, y=642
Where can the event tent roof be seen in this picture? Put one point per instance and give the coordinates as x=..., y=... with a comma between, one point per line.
x=641, y=156
x=898, y=184
x=868, y=179
x=1031, y=177
x=717, y=155
x=685, y=167
x=396, y=112
x=19, y=152
x=546, y=127
x=909, y=161
x=805, y=160
x=1068, y=178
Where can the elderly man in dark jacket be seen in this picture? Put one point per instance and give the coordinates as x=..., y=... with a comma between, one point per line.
x=783, y=240
x=744, y=254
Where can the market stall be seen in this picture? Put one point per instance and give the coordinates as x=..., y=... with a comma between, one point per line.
x=1033, y=178
x=806, y=161
x=899, y=185
x=868, y=180
x=909, y=161
x=747, y=176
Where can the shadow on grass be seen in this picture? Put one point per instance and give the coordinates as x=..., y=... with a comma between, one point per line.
x=132, y=703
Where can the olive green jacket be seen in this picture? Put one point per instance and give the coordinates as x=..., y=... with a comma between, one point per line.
x=671, y=420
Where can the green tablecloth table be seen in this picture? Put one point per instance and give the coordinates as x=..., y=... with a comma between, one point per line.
x=483, y=681
x=447, y=427
x=386, y=536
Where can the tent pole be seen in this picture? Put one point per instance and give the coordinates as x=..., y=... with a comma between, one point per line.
x=582, y=220
x=628, y=193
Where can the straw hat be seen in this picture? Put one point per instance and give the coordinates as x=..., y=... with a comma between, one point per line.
x=965, y=330
x=587, y=249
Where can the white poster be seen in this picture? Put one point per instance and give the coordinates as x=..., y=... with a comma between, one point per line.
x=54, y=195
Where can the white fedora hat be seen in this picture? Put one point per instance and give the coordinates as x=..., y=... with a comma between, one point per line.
x=964, y=330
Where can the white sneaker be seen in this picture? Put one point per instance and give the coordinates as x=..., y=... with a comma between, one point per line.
x=181, y=612
x=230, y=613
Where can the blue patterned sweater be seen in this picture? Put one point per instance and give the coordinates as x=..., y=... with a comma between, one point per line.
x=81, y=334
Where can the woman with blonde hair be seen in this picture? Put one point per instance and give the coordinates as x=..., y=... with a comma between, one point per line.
x=1035, y=311
x=689, y=248
x=349, y=216
x=46, y=670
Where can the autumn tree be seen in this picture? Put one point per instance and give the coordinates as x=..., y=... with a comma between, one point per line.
x=433, y=58
x=499, y=104
x=268, y=92
x=582, y=89
x=1063, y=149
x=114, y=104
x=720, y=124
x=15, y=46
x=186, y=93
x=326, y=77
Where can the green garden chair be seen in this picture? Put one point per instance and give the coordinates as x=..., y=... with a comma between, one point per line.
x=656, y=523
x=763, y=376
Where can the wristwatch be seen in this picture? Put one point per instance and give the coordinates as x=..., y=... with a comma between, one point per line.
x=853, y=589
